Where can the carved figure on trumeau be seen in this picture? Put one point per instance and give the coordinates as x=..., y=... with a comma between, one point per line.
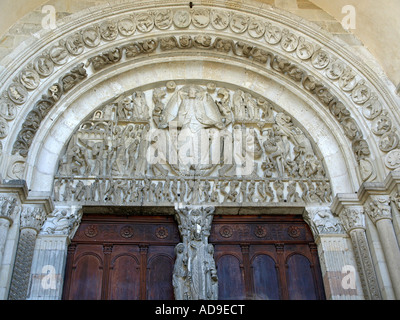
x=195, y=275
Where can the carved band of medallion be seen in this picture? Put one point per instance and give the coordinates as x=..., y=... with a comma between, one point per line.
x=200, y=17
x=248, y=51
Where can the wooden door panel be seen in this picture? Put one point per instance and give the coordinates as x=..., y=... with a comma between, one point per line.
x=230, y=278
x=265, y=278
x=300, y=278
x=132, y=257
x=125, y=277
x=159, y=277
x=87, y=277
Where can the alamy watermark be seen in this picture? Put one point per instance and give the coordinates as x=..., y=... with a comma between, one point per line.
x=349, y=21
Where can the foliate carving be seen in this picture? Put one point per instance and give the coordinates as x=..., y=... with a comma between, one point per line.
x=127, y=232
x=201, y=17
x=141, y=148
x=293, y=231
x=162, y=232
x=195, y=274
x=260, y=232
x=91, y=231
x=226, y=231
x=32, y=218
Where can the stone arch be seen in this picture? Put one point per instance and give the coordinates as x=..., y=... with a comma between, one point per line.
x=282, y=64
x=276, y=69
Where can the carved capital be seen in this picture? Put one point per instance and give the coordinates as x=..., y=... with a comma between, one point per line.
x=8, y=207
x=352, y=218
x=379, y=208
x=32, y=218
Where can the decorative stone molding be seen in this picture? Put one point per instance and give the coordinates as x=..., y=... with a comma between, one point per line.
x=379, y=208
x=32, y=219
x=43, y=106
x=62, y=221
x=328, y=64
x=195, y=274
x=322, y=222
x=350, y=211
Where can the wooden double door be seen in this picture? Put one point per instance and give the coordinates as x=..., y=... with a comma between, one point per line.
x=132, y=257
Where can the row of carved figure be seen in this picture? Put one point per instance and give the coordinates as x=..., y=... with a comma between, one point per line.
x=113, y=143
x=191, y=191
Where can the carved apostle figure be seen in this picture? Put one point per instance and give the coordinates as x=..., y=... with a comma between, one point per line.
x=200, y=280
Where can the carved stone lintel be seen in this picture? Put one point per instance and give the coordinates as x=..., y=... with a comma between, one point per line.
x=195, y=275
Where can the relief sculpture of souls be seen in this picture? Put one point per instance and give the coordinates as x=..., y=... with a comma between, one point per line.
x=194, y=143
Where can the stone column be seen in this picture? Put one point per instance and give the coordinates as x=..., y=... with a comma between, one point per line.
x=379, y=211
x=8, y=207
x=50, y=254
x=331, y=240
x=195, y=274
x=353, y=220
x=32, y=219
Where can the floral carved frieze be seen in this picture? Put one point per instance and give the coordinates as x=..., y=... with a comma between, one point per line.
x=266, y=37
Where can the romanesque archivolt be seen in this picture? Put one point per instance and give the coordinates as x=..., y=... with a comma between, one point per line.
x=190, y=144
x=266, y=38
x=43, y=106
